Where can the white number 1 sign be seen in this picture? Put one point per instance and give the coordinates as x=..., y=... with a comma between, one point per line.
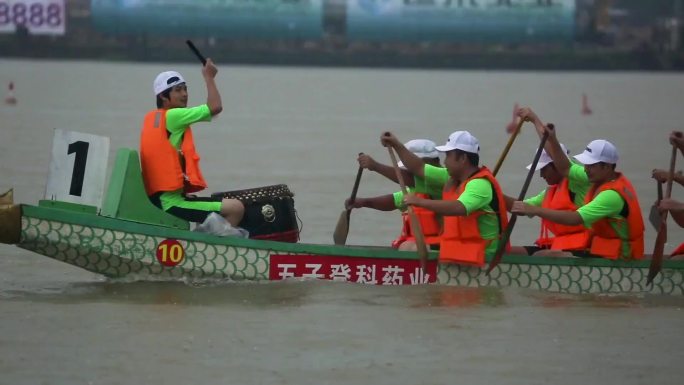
x=78, y=166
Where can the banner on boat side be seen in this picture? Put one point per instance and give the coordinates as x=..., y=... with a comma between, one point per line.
x=371, y=271
x=78, y=167
x=36, y=17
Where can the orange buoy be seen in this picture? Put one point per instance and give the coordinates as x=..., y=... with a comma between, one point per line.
x=11, y=99
x=512, y=125
x=585, y=105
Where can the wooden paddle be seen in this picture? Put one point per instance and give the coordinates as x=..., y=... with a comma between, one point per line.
x=342, y=228
x=511, y=223
x=415, y=223
x=196, y=52
x=661, y=238
x=508, y=147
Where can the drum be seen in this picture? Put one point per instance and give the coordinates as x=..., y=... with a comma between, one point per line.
x=269, y=212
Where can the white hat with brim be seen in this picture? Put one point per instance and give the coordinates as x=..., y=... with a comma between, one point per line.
x=166, y=80
x=422, y=148
x=545, y=159
x=461, y=140
x=599, y=150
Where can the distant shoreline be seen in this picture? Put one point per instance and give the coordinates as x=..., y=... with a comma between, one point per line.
x=297, y=55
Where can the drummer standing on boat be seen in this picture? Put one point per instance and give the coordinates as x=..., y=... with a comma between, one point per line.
x=169, y=161
x=611, y=207
x=429, y=222
x=472, y=205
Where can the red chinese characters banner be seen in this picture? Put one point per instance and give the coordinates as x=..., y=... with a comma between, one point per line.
x=371, y=271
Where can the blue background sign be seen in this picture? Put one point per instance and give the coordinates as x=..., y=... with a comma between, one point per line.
x=265, y=19
x=468, y=21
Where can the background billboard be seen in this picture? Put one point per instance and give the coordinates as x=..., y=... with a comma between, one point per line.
x=36, y=17
x=453, y=21
x=478, y=21
x=218, y=18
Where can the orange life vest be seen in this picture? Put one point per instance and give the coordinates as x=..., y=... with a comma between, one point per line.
x=605, y=241
x=429, y=223
x=161, y=162
x=461, y=239
x=558, y=197
x=678, y=251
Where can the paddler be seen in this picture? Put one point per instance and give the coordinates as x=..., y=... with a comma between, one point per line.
x=611, y=207
x=429, y=222
x=562, y=193
x=472, y=205
x=674, y=207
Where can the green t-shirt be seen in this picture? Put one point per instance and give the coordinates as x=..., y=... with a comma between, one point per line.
x=477, y=195
x=177, y=121
x=436, y=177
x=537, y=199
x=421, y=186
x=578, y=183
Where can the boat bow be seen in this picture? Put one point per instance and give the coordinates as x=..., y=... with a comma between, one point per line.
x=10, y=219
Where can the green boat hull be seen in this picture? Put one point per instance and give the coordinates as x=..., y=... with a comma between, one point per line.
x=118, y=248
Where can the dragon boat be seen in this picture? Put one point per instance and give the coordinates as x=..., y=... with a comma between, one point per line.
x=128, y=237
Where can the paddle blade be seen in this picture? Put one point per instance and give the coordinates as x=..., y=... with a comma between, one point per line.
x=658, y=250
x=654, y=217
x=420, y=239
x=341, y=229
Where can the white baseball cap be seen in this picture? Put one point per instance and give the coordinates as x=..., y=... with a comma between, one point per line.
x=461, y=140
x=422, y=148
x=599, y=150
x=545, y=158
x=166, y=80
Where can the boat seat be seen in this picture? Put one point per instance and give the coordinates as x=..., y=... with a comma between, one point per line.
x=126, y=198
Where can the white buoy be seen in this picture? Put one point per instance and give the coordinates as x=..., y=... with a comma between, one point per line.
x=10, y=99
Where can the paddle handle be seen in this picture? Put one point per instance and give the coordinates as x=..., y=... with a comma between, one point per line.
x=668, y=193
x=661, y=238
x=415, y=223
x=514, y=217
x=352, y=198
x=671, y=175
x=196, y=52
x=508, y=147
x=530, y=173
x=660, y=191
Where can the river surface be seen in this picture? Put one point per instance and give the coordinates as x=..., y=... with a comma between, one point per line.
x=304, y=127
